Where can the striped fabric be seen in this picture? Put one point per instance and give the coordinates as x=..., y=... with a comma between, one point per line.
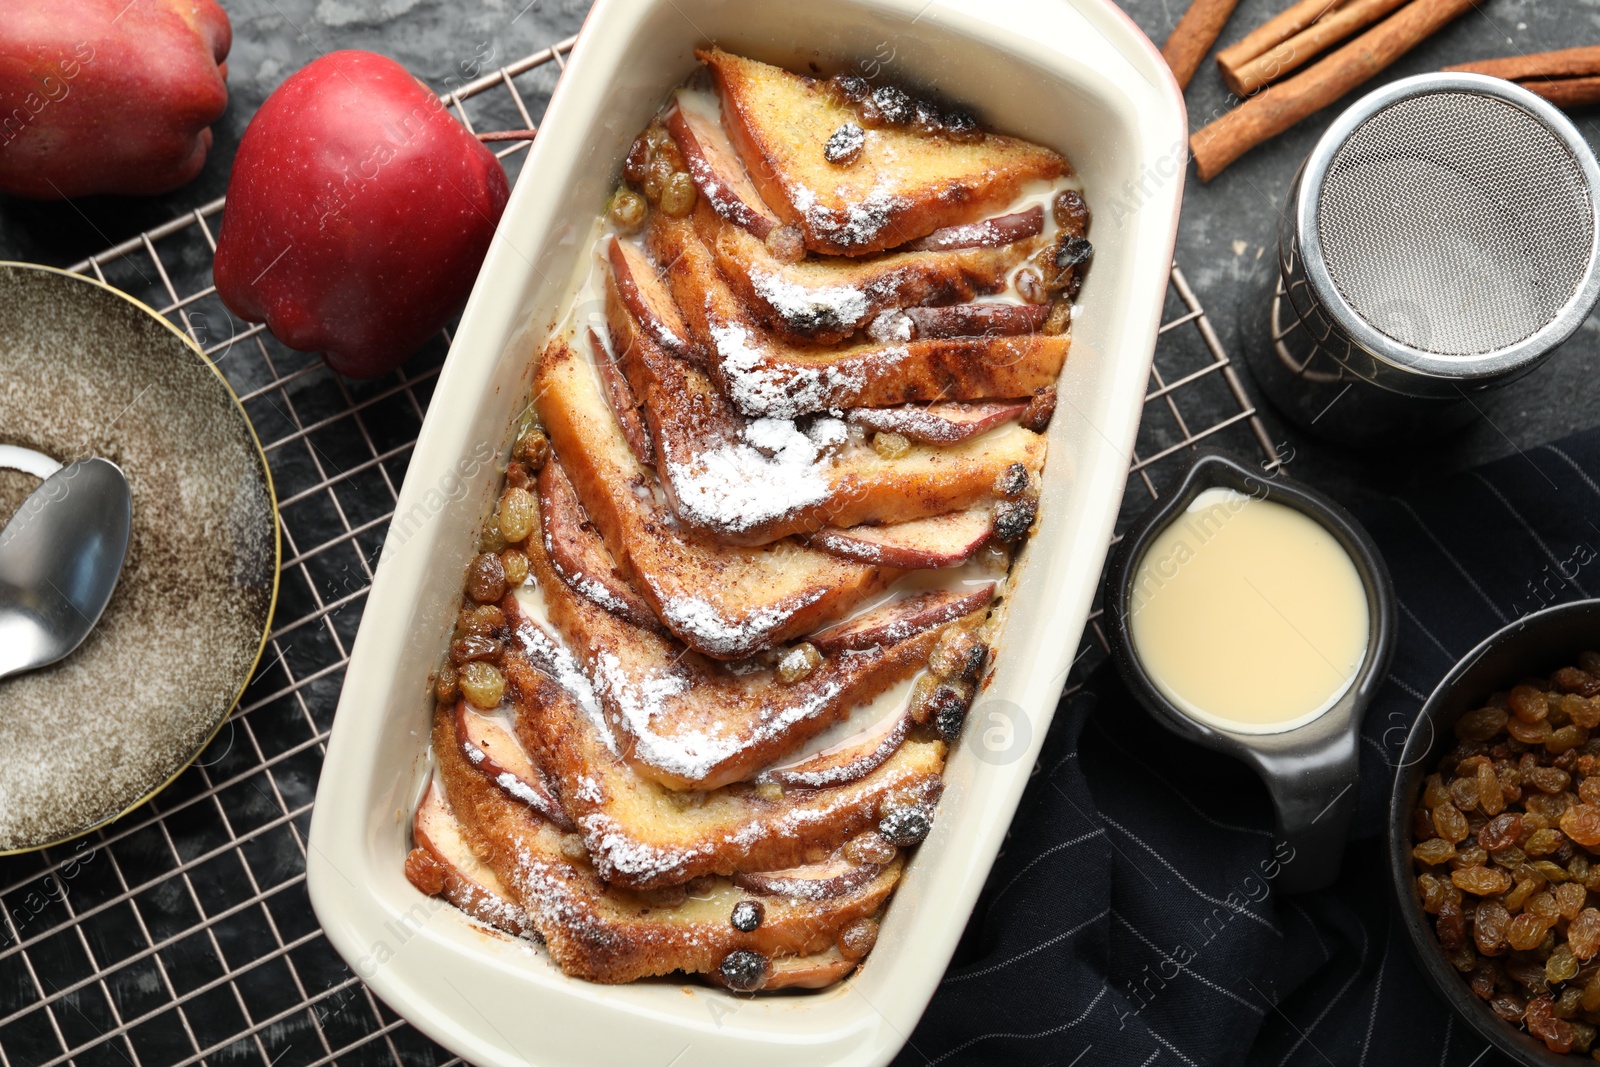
x=1132, y=918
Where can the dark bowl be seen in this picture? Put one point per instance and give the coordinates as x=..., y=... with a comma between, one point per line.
x=1309, y=771
x=1535, y=644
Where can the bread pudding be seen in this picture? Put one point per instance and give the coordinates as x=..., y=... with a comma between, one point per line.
x=750, y=561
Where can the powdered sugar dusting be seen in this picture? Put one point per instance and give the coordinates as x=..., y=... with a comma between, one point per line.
x=715, y=632
x=810, y=308
x=756, y=388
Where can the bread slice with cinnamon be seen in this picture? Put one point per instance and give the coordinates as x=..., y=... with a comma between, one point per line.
x=607, y=933
x=901, y=185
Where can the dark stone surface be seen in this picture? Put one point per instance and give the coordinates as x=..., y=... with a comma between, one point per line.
x=1225, y=235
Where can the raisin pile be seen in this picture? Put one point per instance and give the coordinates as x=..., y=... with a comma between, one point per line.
x=1508, y=853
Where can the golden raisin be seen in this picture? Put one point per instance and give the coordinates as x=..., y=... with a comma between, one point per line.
x=678, y=195
x=1581, y=822
x=1435, y=850
x=1526, y=931
x=1529, y=704
x=1583, y=934
x=516, y=567
x=1565, y=739
x=1529, y=733
x=798, y=663
x=1491, y=799
x=533, y=448
x=1489, y=927
x=1449, y=823
x=1481, y=881
x=629, y=211
x=857, y=939
x=1480, y=725
x=1500, y=832
x=1570, y=899
x=482, y=685
x=445, y=690
x=870, y=847
x=517, y=515
x=890, y=445
x=486, y=579
x=425, y=872
x=1561, y=965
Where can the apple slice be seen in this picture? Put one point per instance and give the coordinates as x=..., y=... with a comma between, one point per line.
x=921, y=544
x=897, y=619
x=833, y=877
x=653, y=306
x=443, y=865
x=816, y=971
x=850, y=760
x=623, y=403
x=696, y=125
x=985, y=233
x=580, y=556
x=495, y=751
x=940, y=423
x=975, y=320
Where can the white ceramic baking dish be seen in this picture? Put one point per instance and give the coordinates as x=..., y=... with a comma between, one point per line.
x=1072, y=74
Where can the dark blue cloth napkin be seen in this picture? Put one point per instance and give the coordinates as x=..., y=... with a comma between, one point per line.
x=1132, y=917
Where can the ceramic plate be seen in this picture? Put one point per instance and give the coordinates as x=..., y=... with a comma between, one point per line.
x=88, y=371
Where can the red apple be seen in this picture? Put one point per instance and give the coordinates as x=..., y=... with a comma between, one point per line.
x=358, y=214
x=107, y=96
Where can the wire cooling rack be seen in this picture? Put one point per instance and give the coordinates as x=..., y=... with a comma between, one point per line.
x=183, y=933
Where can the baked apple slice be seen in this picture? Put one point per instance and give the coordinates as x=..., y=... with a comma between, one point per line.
x=695, y=122
x=884, y=625
x=942, y=541
x=816, y=971
x=492, y=748
x=940, y=423
x=442, y=865
x=985, y=233
x=850, y=760
x=581, y=558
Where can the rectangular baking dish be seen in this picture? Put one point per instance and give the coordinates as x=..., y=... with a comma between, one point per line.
x=1072, y=74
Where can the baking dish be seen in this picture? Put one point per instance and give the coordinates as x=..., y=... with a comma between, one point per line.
x=1077, y=76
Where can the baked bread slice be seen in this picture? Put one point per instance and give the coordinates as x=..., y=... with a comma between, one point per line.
x=606, y=933
x=826, y=300
x=750, y=482
x=765, y=377
x=726, y=601
x=903, y=184
x=642, y=834
x=688, y=722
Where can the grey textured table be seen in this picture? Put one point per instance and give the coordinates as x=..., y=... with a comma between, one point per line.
x=214, y=957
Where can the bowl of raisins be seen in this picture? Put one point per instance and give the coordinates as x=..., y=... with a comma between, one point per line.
x=1494, y=830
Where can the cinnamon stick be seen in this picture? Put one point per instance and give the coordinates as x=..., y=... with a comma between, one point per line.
x=1280, y=106
x=1567, y=63
x=1275, y=31
x=1304, y=46
x=1566, y=92
x=1193, y=37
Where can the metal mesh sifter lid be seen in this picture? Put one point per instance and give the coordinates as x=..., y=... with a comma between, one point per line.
x=1452, y=216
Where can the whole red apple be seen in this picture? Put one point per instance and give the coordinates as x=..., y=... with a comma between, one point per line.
x=358, y=214
x=108, y=96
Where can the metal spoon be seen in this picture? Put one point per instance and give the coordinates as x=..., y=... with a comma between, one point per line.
x=60, y=556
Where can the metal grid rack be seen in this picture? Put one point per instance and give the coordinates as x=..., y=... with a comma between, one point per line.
x=183, y=933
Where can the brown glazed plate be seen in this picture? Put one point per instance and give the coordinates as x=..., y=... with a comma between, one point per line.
x=86, y=370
